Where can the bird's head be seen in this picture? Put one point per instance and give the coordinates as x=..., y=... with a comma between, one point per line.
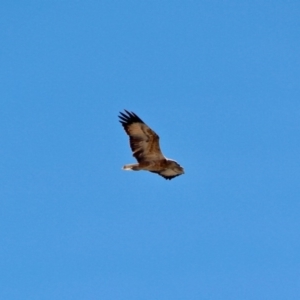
x=175, y=166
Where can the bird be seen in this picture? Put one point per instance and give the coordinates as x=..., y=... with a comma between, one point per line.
x=144, y=143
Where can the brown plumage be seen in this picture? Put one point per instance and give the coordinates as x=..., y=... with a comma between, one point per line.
x=144, y=143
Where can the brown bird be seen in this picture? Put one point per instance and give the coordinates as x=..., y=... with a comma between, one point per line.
x=144, y=143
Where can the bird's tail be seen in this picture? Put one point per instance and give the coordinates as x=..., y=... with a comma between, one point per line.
x=131, y=167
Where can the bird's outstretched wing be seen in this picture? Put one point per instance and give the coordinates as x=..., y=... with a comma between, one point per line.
x=144, y=142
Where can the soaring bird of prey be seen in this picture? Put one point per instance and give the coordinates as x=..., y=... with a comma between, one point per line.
x=144, y=143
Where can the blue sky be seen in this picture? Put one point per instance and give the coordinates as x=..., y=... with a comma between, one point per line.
x=218, y=81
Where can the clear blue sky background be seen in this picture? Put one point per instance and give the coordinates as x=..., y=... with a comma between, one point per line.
x=219, y=81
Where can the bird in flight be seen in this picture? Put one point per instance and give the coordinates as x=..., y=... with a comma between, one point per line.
x=144, y=143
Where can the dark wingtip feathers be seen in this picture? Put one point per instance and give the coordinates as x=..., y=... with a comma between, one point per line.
x=165, y=177
x=129, y=118
x=170, y=177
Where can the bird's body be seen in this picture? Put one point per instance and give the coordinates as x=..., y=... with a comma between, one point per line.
x=144, y=143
